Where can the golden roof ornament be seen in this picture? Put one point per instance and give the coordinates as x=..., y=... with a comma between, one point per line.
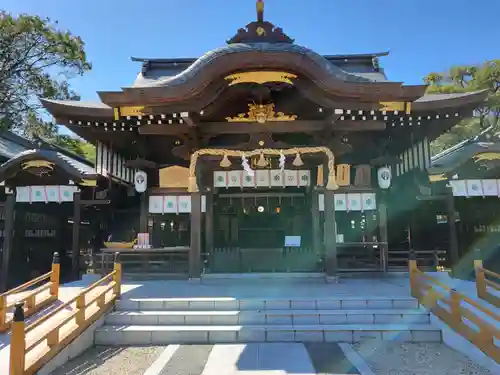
x=260, y=10
x=261, y=113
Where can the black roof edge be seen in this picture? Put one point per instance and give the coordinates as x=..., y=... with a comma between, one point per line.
x=459, y=145
x=68, y=153
x=16, y=138
x=188, y=60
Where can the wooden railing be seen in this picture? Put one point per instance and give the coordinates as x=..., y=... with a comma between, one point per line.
x=454, y=309
x=430, y=260
x=34, y=298
x=482, y=284
x=145, y=263
x=34, y=345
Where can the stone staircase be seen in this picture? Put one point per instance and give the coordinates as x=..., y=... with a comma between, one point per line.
x=228, y=320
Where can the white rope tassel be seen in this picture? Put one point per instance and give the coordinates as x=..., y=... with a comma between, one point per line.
x=282, y=160
x=246, y=166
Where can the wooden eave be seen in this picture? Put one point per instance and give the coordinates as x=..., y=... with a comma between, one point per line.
x=444, y=102
x=63, y=111
x=192, y=97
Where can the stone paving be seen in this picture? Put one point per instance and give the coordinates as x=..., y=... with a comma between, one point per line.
x=392, y=358
x=375, y=358
x=396, y=286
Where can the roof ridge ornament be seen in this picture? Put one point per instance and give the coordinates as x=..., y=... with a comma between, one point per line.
x=260, y=10
x=260, y=31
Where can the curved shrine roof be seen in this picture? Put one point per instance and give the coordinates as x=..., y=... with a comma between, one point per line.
x=455, y=156
x=74, y=108
x=73, y=167
x=158, y=69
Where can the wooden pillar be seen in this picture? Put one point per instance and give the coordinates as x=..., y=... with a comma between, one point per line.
x=195, y=246
x=316, y=232
x=75, y=246
x=209, y=222
x=8, y=239
x=144, y=212
x=330, y=235
x=384, y=247
x=451, y=215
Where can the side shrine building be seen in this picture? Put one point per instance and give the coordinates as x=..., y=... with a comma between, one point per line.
x=265, y=156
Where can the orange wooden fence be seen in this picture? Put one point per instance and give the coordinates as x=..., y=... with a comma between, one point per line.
x=35, y=345
x=484, y=284
x=454, y=309
x=34, y=298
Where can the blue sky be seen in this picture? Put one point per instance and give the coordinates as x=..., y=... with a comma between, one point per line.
x=422, y=35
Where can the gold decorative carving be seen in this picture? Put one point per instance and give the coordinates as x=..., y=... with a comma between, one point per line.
x=261, y=113
x=88, y=182
x=396, y=106
x=131, y=111
x=174, y=177
x=260, y=31
x=437, y=177
x=38, y=164
x=260, y=161
x=486, y=156
x=260, y=77
x=344, y=174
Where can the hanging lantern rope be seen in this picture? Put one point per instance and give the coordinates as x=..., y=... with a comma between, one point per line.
x=331, y=185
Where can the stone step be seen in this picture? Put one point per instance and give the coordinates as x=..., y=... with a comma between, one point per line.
x=231, y=304
x=182, y=334
x=271, y=317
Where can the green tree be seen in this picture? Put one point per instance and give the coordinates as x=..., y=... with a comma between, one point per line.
x=36, y=128
x=36, y=60
x=468, y=78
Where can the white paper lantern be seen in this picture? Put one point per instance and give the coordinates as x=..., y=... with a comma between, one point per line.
x=140, y=181
x=384, y=177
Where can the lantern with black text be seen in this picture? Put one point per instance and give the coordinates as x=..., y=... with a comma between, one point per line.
x=384, y=177
x=140, y=181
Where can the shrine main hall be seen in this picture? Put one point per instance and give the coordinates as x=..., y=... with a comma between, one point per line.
x=265, y=156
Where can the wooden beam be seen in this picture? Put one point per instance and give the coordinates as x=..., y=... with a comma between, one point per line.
x=255, y=127
x=94, y=202
x=75, y=245
x=144, y=212
x=350, y=125
x=190, y=121
x=384, y=248
x=330, y=235
x=164, y=129
x=7, y=241
x=451, y=214
x=195, y=245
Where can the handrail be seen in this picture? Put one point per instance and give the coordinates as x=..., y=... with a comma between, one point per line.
x=423, y=287
x=30, y=348
x=482, y=283
x=67, y=304
x=27, y=284
x=30, y=296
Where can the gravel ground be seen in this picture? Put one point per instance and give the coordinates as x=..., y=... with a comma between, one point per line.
x=391, y=358
x=102, y=360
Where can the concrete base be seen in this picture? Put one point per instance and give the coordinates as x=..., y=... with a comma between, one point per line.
x=74, y=349
x=464, y=346
x=332, y=279
x=274, y=275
